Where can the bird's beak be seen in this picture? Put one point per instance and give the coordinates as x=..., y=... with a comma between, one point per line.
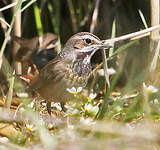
x=103, y=45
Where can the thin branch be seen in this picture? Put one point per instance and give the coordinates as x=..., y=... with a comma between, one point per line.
x=155, y=58
x=8, y=101
x=155, y=20
x=133, y=36
x=94, y=17
x=4, y=22
x=9, y=6
x=143, y=18
x=27, y=5
x=155, y=17
x=105, y=67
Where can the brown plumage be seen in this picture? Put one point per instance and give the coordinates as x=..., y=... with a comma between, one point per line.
x=71, y=68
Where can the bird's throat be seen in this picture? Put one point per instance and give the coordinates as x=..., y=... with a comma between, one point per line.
x=82, y=65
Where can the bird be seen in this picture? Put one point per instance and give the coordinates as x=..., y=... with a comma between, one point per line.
x=71, y=68
x=35, y=47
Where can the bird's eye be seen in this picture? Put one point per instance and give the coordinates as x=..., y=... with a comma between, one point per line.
x=51, y=42
x=88, y=41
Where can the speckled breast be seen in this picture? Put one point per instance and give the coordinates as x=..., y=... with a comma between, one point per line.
x=72, y=79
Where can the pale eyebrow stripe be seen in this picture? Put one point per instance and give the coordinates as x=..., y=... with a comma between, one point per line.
x=85, y=37
x=90, y=37
x=88, y=34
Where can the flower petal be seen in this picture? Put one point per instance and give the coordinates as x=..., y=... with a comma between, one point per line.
x=72, y=90
x=79, y=89
x=92, y=95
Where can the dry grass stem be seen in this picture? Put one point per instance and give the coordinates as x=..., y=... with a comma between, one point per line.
x=95, y=16
x=155, y=17
x=134, y=35
x=10, y=6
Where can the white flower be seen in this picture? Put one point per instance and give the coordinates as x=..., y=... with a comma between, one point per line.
x=74, y=91
x=91, y=109
x=50, y=126
x=58, y=106
x=150, y=89
x=88, y=107
x=30, y=127
x=92, y=96
x=31, y=105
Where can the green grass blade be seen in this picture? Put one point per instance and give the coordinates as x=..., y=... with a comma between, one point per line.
x=38, y=20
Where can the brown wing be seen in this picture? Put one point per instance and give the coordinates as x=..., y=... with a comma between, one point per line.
x=48, y=75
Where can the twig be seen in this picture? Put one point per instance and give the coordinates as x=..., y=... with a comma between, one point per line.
x=155, y=17
x=134, y=35
x=10, y=5
x=143, y=18
x=155, y=58
x=4, y=24
x=10, y=92
x=94, y=17
x=27, y=5
x=17, y=32
x=105, y=67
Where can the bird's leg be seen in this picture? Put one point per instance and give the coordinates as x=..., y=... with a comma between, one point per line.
x=49, y=107
x=62, y=106
x=34, y=69
x=25, y=67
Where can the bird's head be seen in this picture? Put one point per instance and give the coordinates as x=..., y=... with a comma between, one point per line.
x=82, y=45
